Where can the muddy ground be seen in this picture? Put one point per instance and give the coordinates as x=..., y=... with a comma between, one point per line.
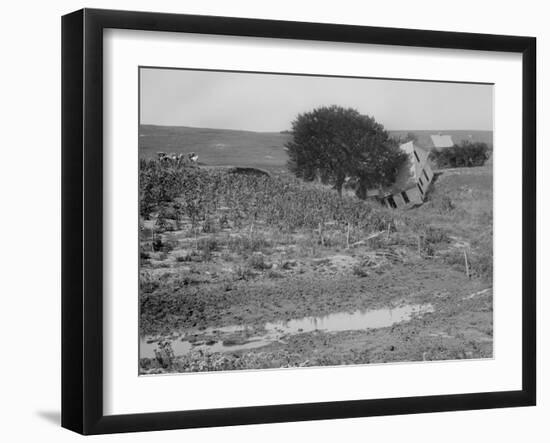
x=460, y=325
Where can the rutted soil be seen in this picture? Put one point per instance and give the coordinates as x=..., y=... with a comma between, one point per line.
x=459, y=327
x=310, y=294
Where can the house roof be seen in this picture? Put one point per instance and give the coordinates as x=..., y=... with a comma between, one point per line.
x=442, y=141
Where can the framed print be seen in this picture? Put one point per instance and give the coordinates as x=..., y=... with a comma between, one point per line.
x=269, y=221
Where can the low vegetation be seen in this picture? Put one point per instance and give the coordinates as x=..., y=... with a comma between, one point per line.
x=211, y=200
x=466, y=154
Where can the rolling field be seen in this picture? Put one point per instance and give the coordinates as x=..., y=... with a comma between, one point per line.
x=217, y=147
x=264, y=150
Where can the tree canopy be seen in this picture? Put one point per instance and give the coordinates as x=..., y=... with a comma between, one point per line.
x=335, y=144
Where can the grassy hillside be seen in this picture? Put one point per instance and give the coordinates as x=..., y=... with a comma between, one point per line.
x=217, y=147
x=265, y=150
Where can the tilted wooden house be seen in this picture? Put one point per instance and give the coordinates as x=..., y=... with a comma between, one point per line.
x=412, y=181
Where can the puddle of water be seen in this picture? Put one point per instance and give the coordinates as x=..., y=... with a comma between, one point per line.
x=344, y=321
x=341, y=321
x=147, y=350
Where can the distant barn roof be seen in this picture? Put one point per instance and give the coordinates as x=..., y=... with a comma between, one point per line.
x=442, y=141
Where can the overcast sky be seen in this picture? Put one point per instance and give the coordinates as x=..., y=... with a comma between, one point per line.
x=265, y=102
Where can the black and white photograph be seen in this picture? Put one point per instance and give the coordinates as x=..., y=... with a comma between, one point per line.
x=290, y=221
x=275, y=222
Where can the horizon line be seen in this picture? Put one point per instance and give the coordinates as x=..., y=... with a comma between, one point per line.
x=283, y=130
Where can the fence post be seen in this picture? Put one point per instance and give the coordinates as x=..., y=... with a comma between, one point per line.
x=466, y=264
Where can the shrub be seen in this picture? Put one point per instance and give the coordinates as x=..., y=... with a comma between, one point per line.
x=466, y=154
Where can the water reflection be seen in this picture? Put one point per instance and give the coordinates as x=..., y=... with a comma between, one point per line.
x=341, y=321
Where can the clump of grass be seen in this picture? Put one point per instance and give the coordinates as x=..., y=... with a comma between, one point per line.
x=209, y=226
x=165, y=355
x=249, y=244
x=227, y=256
x=455, y=258
x=244, y=273
x=157, y=244
x=257, y=261
x=334, y=239
x=147, y=283
x=482, y=255
x=162, y=246
x=444, y=204
x=482, y=264
x=210, y=244
x=377, y=242
x=272, y=273
x=206, y=246
x=433, y=235
x=360, y=271
x=184, y=258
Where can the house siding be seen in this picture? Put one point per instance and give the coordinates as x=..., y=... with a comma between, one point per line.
x=414, y=178
x=414, y=195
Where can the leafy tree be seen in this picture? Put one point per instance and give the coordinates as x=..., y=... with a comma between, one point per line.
x=466, y=154
x=380, y=161
x=334, y=144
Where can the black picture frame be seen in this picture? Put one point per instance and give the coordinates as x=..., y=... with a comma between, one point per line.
x=82, y=218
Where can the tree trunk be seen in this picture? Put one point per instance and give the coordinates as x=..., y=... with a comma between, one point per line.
x=339, y=183
x=361, y=191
